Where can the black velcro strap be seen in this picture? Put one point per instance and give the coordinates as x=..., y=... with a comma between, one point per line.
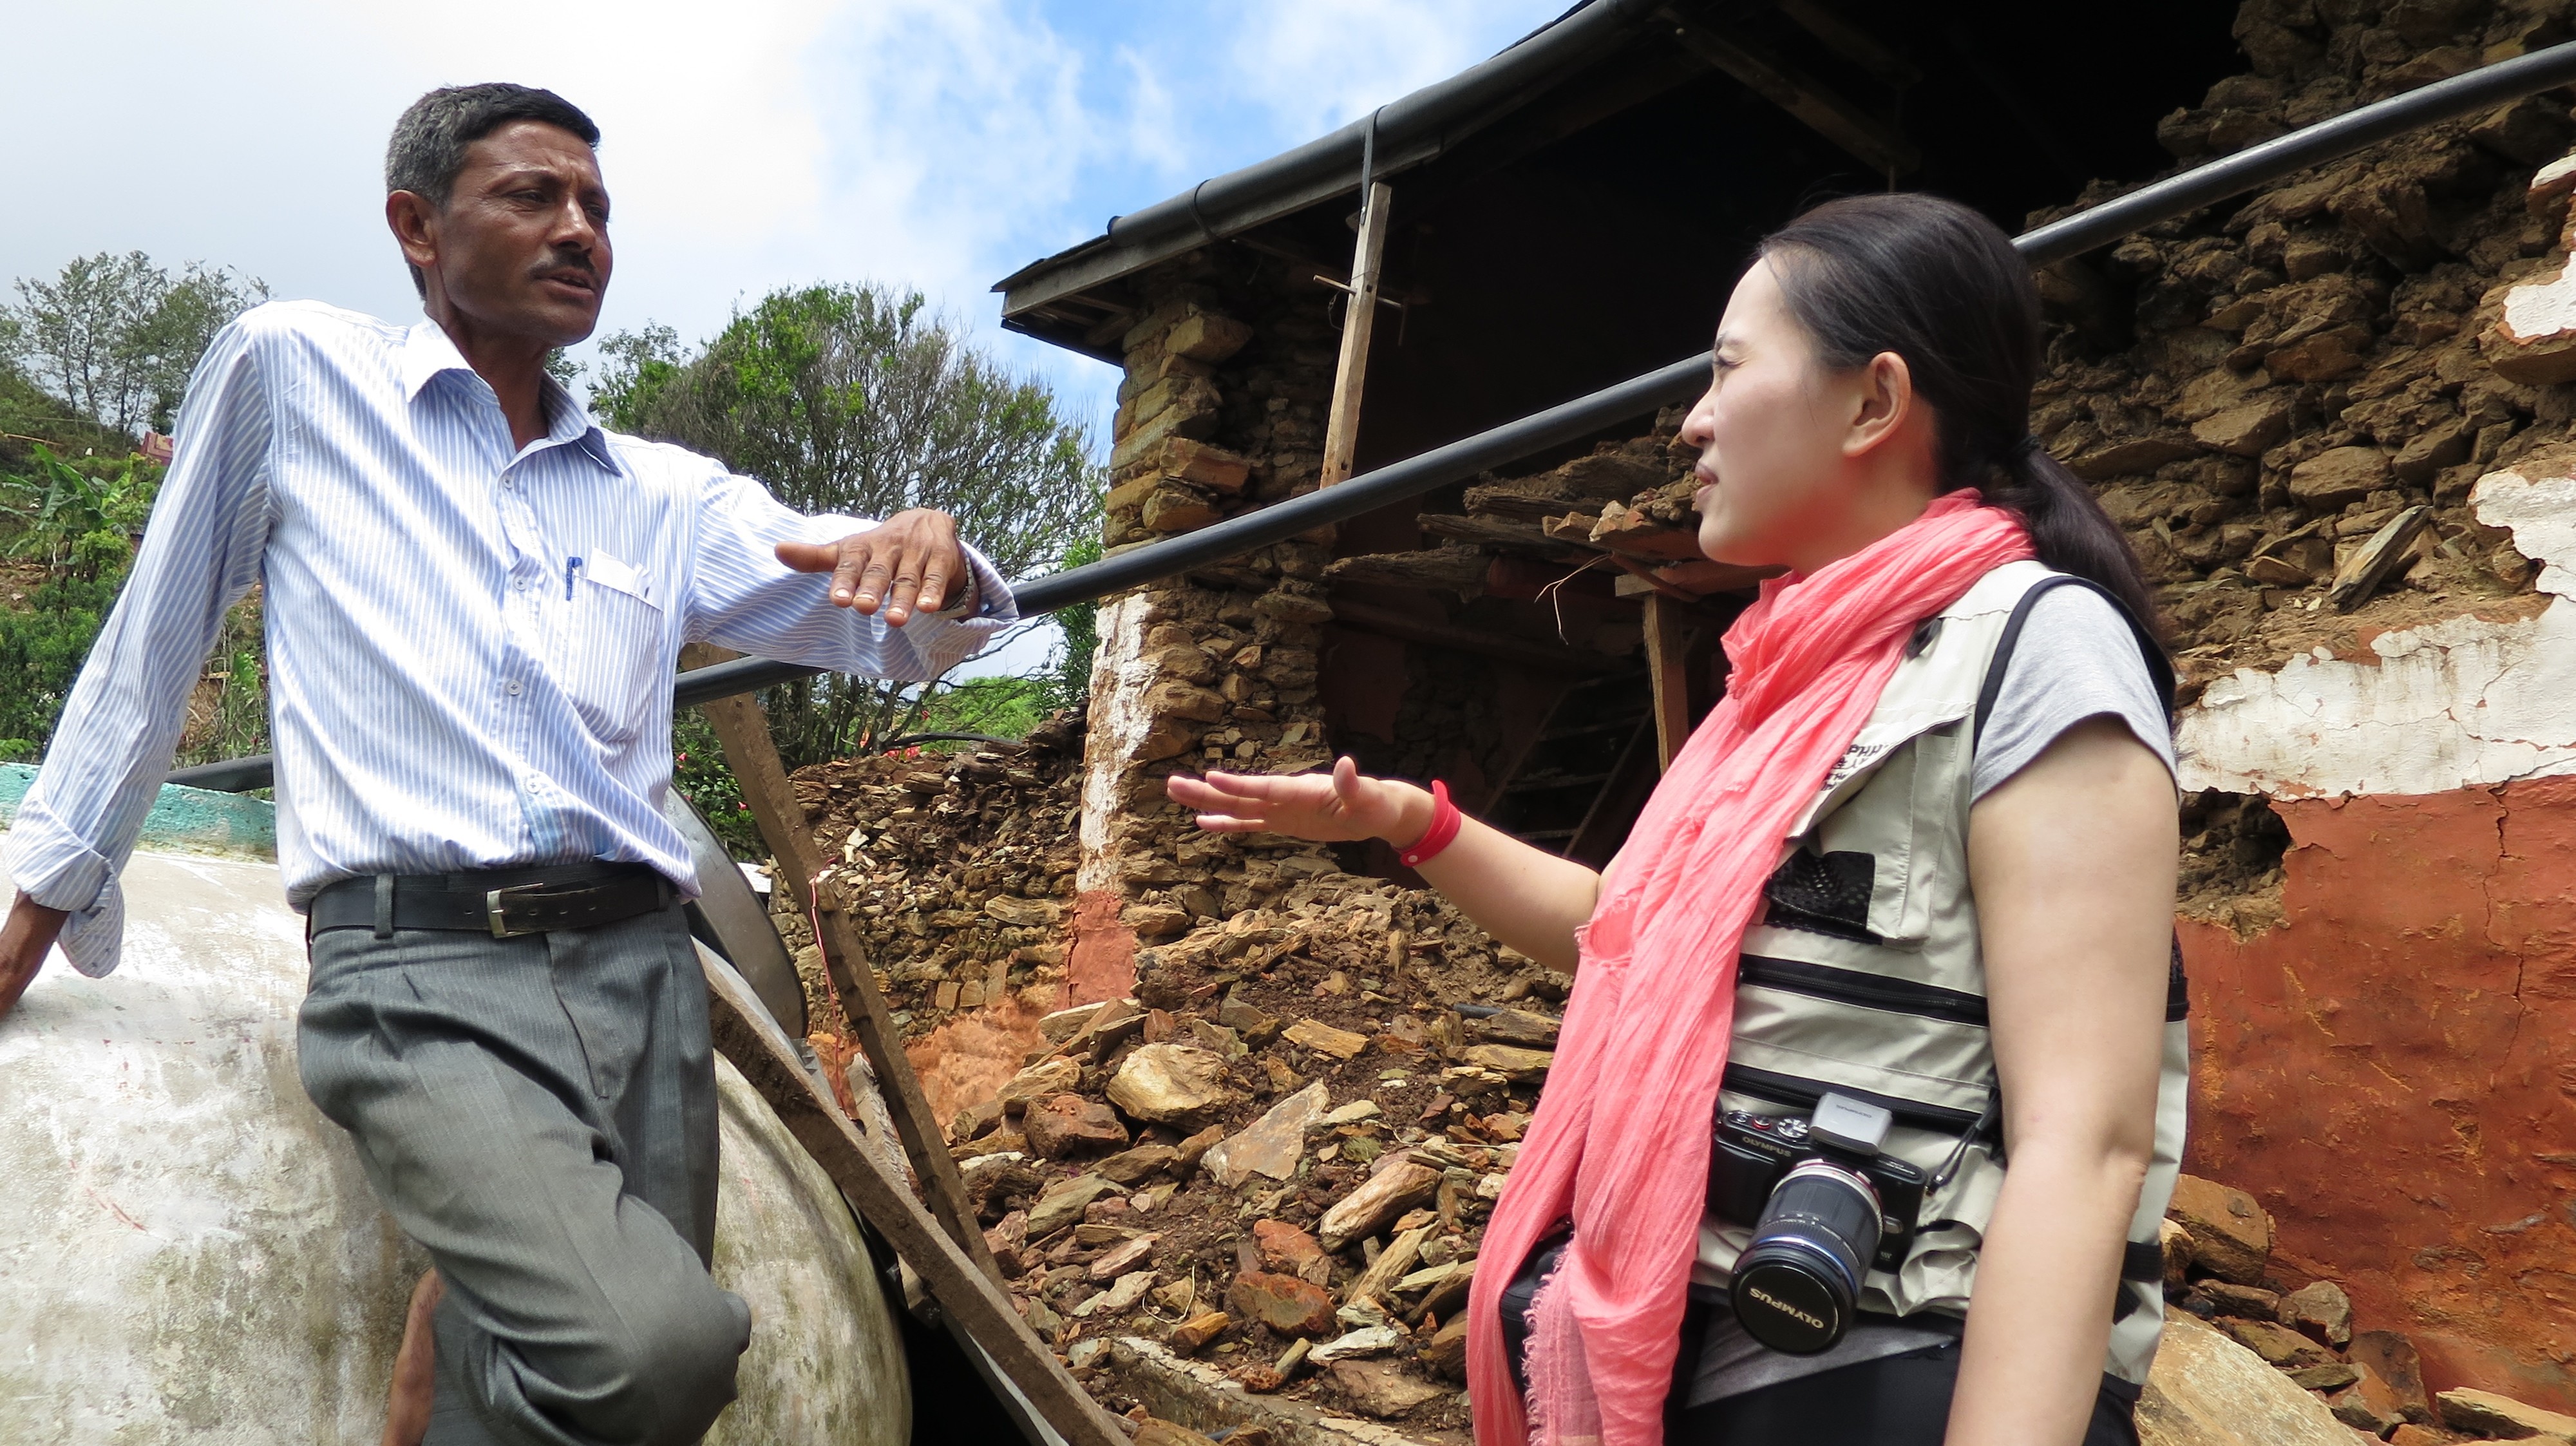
x=2159, y=667
x=504, y=903
x=2142, y=1265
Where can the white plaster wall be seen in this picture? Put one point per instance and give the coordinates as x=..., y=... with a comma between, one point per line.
x=2461, y=703
x=189, y=1252
x=1120, y=674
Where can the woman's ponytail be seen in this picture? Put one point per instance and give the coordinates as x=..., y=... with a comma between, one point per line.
x=2069, y=529
x=1941, y=286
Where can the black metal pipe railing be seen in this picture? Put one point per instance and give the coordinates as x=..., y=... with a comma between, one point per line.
x=2096, y=226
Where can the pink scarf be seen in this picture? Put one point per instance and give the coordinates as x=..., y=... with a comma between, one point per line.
x=1620, y=1144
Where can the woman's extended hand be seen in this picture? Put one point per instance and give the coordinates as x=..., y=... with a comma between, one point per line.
x=1324, y=807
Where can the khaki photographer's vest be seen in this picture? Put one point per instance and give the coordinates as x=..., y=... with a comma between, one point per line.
x=1866, y=979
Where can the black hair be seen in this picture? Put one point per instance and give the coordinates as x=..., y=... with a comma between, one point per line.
x=427, y=151
x=1941, y=286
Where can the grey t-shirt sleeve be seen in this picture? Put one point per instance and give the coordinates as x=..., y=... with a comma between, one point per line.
x=2076, y=659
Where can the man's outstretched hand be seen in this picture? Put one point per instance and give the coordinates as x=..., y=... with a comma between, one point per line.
x=26, y=936
x=903, y=564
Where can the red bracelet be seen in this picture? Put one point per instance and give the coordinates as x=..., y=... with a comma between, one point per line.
x=1445, y=819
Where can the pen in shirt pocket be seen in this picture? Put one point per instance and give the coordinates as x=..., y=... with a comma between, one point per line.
x=572, y=569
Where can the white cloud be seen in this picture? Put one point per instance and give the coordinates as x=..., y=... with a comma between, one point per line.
x=1320, y=64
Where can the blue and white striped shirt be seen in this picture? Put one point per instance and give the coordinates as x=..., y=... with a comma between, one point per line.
x=470, y=644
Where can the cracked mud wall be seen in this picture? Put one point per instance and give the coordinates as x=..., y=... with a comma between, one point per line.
x=2387, y=1058
x=2390, y=1071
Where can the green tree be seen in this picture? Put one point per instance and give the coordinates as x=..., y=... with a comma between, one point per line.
x=859, y=400
x=116, y=336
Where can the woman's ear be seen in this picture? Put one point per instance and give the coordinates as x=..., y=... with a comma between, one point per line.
x=1882, y=400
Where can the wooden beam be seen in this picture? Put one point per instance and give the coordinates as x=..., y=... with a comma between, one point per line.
x=1667, y=664
x=1876, y=144
x=1851, y=42
x=876, y=1190
x=753, y=756
x=1359, y=323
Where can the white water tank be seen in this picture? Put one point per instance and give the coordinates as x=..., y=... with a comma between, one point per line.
x=188, y=1251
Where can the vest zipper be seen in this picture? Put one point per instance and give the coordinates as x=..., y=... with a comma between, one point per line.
x=1784, y=1089
x=1869, y=991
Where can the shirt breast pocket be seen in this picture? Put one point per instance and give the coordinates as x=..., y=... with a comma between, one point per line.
x=610, y=652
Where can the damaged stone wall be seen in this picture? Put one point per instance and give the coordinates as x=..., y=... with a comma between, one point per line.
x=2333, y=419
x=1222, y=410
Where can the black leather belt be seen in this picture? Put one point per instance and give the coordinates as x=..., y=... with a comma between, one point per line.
x=505, y=903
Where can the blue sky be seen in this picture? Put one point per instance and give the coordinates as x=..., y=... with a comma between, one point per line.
x=938, y=144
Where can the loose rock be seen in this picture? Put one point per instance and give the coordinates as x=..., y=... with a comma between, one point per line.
x=1063, y=1204
x=2231, y=1236
x=1067, y=1125
x=2205, y=1390
x=1273, y=1144
x=1124, y=1258
x=1370, y=1208
x=1325, y=1039
x=1366, y=1341
x=1382, y=1389
x=1285, y=1304
x=2321, y=1312
x=2487, y=1414
x=1290, y=1251
x=2278, y=1345
x=1192, y=1335
x=1169, y=1083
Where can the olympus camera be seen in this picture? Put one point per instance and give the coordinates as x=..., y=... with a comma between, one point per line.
x=1826, y=1206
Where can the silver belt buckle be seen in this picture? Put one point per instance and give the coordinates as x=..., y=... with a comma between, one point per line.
x=495, y=911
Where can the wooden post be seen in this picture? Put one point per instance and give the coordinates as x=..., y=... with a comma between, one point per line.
x=745, y=1035
x=1667, y=668
x=1359, y=322
x=753, y=756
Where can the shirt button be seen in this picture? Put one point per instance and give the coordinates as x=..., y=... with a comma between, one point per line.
x=511, y=687
x=509, y=484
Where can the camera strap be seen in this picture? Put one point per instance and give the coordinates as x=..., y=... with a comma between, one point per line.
x=1989, y=1121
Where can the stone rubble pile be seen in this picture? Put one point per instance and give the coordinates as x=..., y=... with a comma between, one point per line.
x=2218, y=1246
x=1278, y=1155
x=957, y=870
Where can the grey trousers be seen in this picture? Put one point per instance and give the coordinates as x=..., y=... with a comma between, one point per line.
x=540, y=1114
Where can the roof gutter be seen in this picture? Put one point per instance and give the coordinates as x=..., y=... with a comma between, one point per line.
x=1410, y=131
x=2178, y=195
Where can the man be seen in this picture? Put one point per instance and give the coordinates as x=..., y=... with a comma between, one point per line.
x=475, y=601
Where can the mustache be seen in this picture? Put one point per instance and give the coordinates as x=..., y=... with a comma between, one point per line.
x=562, y=265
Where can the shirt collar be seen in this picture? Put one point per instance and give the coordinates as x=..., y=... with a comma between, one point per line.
x=427, y=351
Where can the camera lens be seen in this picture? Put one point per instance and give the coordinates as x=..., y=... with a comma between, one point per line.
x=1796, y=1286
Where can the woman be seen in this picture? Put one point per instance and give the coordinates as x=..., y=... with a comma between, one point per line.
x=1921, y=860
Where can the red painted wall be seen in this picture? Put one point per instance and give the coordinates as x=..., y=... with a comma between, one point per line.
x=2393, y=1073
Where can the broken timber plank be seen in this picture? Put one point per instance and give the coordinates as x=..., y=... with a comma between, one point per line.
x=1619, y=529
x=746, y=1036
x=2373, y=561
x=1667, y=666
x=1492, y=532
x=1359, y=322
x=1459, y=570
x=753, y=756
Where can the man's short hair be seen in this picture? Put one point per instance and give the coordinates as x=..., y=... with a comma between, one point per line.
x=427, y=151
